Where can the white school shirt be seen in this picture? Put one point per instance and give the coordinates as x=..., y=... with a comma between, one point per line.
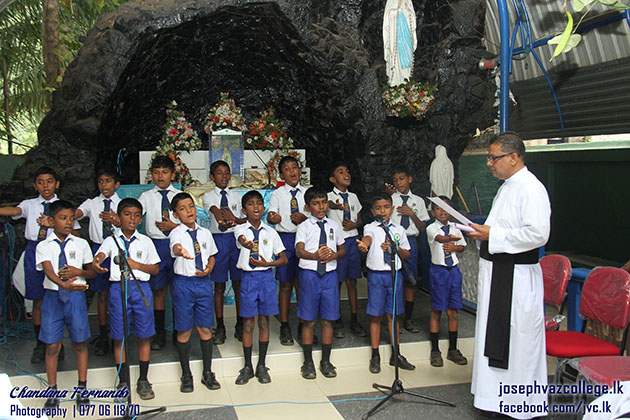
x=308, y=232
x=280, y=202
x=337, y=215
x=31, y=211
x=213, y=198
x=269, y=244
x=77, y=252
x=376, y=256
x=140, y=250
x=152, y=210
x=92, y=208
x=437, y=252
x=418, y=206
x=180, y=235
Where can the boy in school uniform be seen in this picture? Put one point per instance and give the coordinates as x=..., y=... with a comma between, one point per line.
x=66, y=262
x=193, y=248
x=344, y=207
x=144, y=261
x=222, y=205
x=101, y=210
x=156, y=204
x=258, y=245
x=410, y=213
x=318, y=245
x=381, y=296
x=445, y=240
x=285, y=212
x=46, y=182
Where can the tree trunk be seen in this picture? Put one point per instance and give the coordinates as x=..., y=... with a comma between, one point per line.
x=7, y=124
x=50, y=46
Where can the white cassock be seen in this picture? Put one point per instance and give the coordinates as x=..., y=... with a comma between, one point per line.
x=520, y=222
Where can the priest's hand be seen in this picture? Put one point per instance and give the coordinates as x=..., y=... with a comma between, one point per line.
x=482, y=232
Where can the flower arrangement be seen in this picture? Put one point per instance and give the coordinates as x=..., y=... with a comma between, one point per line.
x=225, y=114
x=410, y=99
x=267, y=133
x=178, y=136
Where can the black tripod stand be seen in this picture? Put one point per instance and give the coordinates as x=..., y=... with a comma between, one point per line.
x=396, y=387
x=123, y=265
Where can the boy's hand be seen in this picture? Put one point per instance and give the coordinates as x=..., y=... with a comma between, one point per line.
x=274, y=218
x=385, y=246
x=298, y=218
x=261, y=262
x=390, y=188
x=337, y=205
x=166, y=225
x=180, y=251
x=96, y=266
x=225, y=224
x=323, y=253
x=247, y=244
x=45, y=221
x=404, y=211
x=68, y=272
x=203, y=273
x=449, y=247
x=349, y=225
x=453, y=238
x=362, y=246
x=108, y=216
x=227, y=215
x=71, y=285
x=331, y=256
x=134, y=265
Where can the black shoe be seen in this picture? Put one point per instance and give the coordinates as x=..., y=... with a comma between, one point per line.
x=145, y=390
x=101, y=345
x=262, y=373
x=285, y=336
x=210, y=381
x=219, y=336
x=238, y=332
x=51, y=403
x=327, y=369
x=403, y=363
x=244, y=375
x=411, y=327
x=456, y=357
x=338, y=329
x=375, y=364
x=39, y=353
x=121, y=385
x=357, y=329
x=62, y=354
x=436, y=359
x=187, y=384
x=158, y=342
x=491, y=414
x=308, y=370
x=81, y=400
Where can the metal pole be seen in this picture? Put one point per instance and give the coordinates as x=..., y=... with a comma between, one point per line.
x=506, y=64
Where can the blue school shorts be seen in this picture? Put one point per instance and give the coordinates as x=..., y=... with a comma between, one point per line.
x=380, y=297
x=225, y=259
x=319, y=296
x=446, y=287
x=412, y=261
x=349, y=267
x=33, y=279
x=100, y=283
x=258, y=294
x=193, y=300
x=55, y=314
x=166, y=274
x=143, y=323
x=289, y=271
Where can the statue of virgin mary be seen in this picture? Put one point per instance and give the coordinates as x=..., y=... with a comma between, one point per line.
x=399, y=40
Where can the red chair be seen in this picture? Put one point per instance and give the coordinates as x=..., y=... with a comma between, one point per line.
x=605, y=298
x=556, y=274
x=603, y=370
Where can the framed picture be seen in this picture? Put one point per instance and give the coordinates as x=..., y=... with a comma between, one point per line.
x=227, y=145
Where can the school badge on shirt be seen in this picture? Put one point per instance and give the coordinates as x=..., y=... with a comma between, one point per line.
x=397, y=237
x=233, y=207
x=265, y=242
x=331, y=235
x=72, y=255
x=139, y=254
x=204, y=246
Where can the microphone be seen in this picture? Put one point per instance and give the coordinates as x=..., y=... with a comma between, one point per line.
x=379, y=218
x=118, y=260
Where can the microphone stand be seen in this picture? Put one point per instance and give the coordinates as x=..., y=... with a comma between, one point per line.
x=123, y=262
x=397, y=386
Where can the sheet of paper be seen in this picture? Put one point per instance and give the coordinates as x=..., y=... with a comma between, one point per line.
x=450, y=210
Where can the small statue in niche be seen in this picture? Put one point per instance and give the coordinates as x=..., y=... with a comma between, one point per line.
x=441, y=173
x=399, y=40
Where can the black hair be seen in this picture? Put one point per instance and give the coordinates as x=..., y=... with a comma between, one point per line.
x=110, y=172
x=399, y=169
x=128, y=202
x=313, y=193
x=285, y=160
x=215, y=165
x=179, y=197
x=336, y=166
x=250, y=195
x=510, y=142
x=380, y=196
x=163, y=161
x=57, y=206
x=45, y=170
x=445, y=199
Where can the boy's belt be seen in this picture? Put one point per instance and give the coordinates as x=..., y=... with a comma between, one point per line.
x=497, y=346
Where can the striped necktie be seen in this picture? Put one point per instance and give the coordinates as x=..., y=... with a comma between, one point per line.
x=197, y=248
x=321, y=267
x=448, y=257
x=223, y=205
x=346, y=207
x=107, y=227
x=255, y=251
x=64, y=295
x=127, y=244
x=166, y=205
x=404, y=220
x=41, y=235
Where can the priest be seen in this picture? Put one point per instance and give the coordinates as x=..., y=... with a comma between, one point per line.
x=510, y=327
